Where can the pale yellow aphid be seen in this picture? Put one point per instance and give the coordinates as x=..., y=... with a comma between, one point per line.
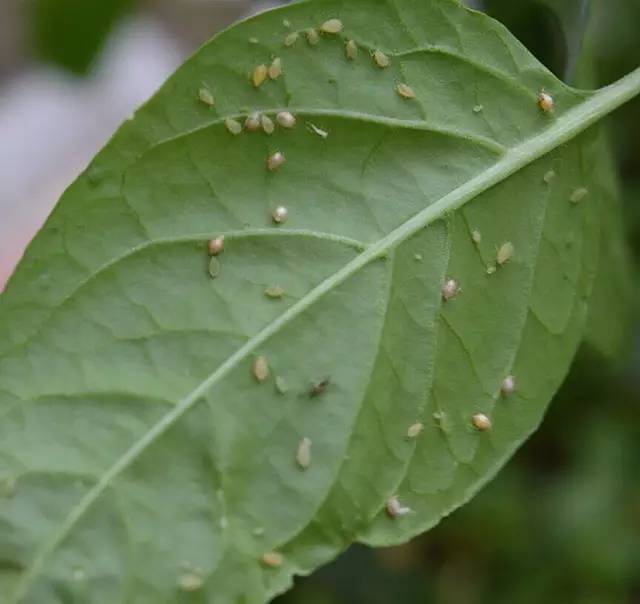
x=260, y=74
x=351, y=50
x=491, y=269
x=281, y=385
x=286, y=119
x=578, y=195
x=505, y=253
x=450, y=289
x=478, y=108
x=405, y=91
x=216, y=246
x=233, y=126
x=549, y=176
x=267, y=124
x=254, y=41
x=291, y=39
x=273, y=559
x=190, y=580
x=303, y=455
x=261, y=369
x=313, y=37
x=253, y=123
x=214, y=267
x=508, y=385
x=381, y=59
x=274, y=292
x=395, y=509
x=286, y=23
x=206, y=97
x=332, y=26
x=481, y=422
x=319, y=131
x=546, y=102
x=280, y=215
x=476, y=237
x=275, y=69
x=276, y=161
x=415, y=430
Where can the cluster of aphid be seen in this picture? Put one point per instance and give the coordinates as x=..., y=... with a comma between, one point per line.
x=451, y=288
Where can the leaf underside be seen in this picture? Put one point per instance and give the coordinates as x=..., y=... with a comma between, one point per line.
x=140, y=459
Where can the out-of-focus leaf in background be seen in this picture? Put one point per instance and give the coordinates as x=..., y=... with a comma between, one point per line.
x=70, y=33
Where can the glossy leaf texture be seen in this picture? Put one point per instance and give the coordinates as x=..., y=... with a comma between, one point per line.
x=144, y=456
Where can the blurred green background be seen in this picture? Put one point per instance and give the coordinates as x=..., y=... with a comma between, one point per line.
x=561, y=523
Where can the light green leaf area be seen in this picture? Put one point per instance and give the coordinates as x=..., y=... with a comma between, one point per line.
x=141, y=460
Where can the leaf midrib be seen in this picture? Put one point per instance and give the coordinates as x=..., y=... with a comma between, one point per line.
x=569, y=125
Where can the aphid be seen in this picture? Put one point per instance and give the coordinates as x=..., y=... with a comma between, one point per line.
x=546, y=102
x=415, y=430
x=275, y=69
x=190, y=580
x=274, y=292
x=214, y=267
x=417, y=257
x=549, y=176
x=286, y=23
x=261, y=369
x=381, y=59
x=508, y=385
x=406, y=92
x=281, y=385
x=395, y=509
x=478, y=108
x=276, y=161
x=319, y=131
x=352, y=50
x=286, y=119
x=476, y=237
x=273, y=559
x=233, y=126
x=319, y=388
x=291, y=39
x=438, y=417
x=313, y=37
x=578, y=195
x=450, y=289
x=505, y=253
x=280, y=215
x=267, y=124
x=303, y=455
x=254, y=41
x=260, y=74
x=253, y=123
x=491, y=269
x=481, y=422
x=216, y=246
x=332, y=26
x=206, y=97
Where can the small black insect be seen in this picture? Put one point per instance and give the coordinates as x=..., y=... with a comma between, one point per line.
x=319, y=388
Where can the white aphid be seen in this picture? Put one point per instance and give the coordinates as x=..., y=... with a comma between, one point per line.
x=280, y=215
x=273, y=559
x=332, y=26
x=313, y=37
x=395, y=509
x=578, y=195
x=233, y=126
x=406, y=92
x=276, y=161
x=476, y=237
x=319, y=131
x=352, y=50
x=546, y=102
x=216, y=246
x=286, y=119
x=291, y=39
x=549, y=176
x=275, y=69
x=508, y=385
x=381, y=59
x=260, y=74
x=253, y=123
x=303, y=455
x=415, y=430
x=267, y=124
x=190, y=580
x=481, y=422
x=450, y=289
x=286, y=23
x=261, y=369
x=505, y=253
x=478, y=108
x=206, y=97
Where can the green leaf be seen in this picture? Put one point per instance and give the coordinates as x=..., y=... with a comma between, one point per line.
x=150, y=458
x=70, y=33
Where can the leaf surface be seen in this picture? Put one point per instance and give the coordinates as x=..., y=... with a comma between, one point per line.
x=142, y=461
